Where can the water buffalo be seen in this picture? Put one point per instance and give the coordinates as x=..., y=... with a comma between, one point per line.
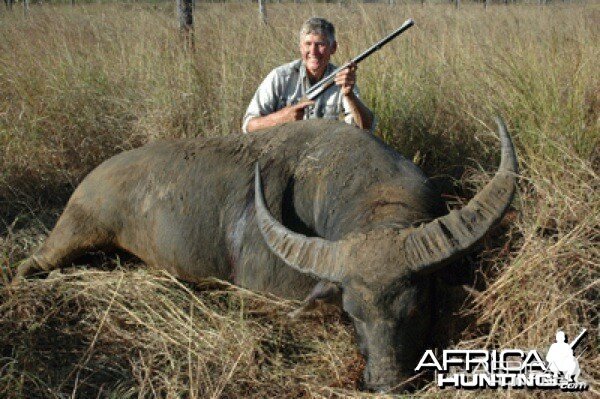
x=339, y=210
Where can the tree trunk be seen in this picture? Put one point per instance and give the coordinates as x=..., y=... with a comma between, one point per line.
x=262, y=11
x=186, y=21
x=26, y=8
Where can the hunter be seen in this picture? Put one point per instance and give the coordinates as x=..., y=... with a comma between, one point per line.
x=278, y=99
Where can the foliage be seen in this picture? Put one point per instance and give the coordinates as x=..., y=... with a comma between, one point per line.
x=79, y=84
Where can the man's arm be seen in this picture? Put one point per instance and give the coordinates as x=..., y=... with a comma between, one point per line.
x=287, y=114
x=263, y=102
x=362, y=115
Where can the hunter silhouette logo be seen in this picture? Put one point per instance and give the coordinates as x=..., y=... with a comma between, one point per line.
x=560, y=357
x=508, y=368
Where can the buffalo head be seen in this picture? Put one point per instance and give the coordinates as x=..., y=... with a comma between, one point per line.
x=385, y=273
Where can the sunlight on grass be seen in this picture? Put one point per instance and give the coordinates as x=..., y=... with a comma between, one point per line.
x=79, y=84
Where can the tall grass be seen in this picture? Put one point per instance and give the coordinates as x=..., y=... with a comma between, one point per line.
x=78, y=84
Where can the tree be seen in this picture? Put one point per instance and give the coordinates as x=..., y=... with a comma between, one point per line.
x=262, y=11
x=186, y=21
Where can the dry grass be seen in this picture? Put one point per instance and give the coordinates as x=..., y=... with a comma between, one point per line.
x=80, y=84
x=132, y=333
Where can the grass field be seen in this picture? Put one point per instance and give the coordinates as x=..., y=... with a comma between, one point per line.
x=79, y=84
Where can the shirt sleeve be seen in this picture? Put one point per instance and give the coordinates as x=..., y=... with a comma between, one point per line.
x=348, y=118
x=264, y=101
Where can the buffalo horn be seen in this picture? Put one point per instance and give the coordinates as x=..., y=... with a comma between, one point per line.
x=432, y=245
x=309, y=255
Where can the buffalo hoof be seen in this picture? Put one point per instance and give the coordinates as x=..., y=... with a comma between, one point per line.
x=295, y=314
x=27, y=268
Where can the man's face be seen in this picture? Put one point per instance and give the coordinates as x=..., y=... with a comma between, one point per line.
x=316, y=51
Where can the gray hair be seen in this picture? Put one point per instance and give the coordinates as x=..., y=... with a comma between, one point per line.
x=318, y=26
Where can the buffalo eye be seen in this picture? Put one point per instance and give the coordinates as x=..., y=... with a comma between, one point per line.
x=354, y=308
x=413, y=311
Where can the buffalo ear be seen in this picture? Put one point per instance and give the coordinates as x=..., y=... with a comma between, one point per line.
x=324, y=291
x=458, y=273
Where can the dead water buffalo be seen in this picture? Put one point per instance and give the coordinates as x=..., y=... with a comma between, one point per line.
x=339, y=207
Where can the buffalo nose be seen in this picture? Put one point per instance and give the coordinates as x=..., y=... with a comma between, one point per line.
x=379, y=390
x=389, y=382
x=388, y=388
x=380, y=382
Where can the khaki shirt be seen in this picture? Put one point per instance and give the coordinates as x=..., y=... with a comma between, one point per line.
x=286, y=85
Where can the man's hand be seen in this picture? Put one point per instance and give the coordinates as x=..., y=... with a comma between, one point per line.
x=363, y=117
x=346, y=79
x=288, y=114
x=293, y=112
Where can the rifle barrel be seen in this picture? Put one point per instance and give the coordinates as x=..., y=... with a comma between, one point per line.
x=575, y=342
x=409, y=22
x=327, y=81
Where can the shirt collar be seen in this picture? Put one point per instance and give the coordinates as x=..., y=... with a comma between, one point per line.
x=304, y=77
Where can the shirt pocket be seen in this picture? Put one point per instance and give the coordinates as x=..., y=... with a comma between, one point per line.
x=286, y=101
x=281, y=103
x=331, y=112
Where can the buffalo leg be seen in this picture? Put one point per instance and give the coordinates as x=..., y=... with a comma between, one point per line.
x=323, y=291
x=76, y=232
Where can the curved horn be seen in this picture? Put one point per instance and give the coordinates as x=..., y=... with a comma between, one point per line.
x=433, y=244
x=310, y=255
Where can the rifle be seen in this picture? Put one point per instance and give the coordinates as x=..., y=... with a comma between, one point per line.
x=328, y=81
x=575, y=342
